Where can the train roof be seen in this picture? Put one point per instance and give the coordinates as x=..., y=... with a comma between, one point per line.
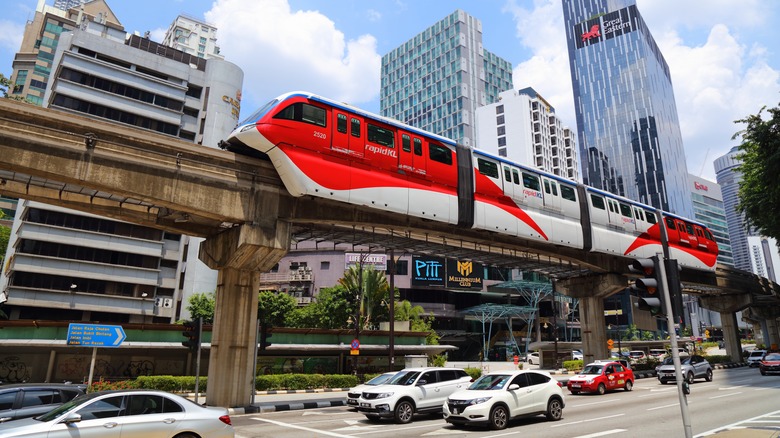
x=645, y=206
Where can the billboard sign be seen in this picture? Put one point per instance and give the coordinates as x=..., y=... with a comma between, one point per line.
x=606, y=26
x=464, y=274
x=354, y=259
x=428, y=271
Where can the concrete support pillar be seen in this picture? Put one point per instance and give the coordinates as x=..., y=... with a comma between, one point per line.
x=594, y=331
x=771, y=333
x=731, y=335
x=240, y=254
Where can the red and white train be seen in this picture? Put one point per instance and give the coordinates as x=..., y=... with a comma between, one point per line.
x=332, y=150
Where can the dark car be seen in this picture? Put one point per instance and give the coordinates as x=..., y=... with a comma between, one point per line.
x=25, y=400
x=770, y=364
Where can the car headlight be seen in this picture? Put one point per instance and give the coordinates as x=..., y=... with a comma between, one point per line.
x=476, y=401
x=384, y=395
x=590, y=381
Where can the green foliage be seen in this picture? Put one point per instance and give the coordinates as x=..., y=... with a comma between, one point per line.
x=105, y=385
x=438, y=360
x=719, y=358
x=368, y=289
x=202, y=304
x=272, y=382
x=474, y=372
x=759, y=194
x=273, y=308
x=573, y=365
x=5, y=86
x=171, y=383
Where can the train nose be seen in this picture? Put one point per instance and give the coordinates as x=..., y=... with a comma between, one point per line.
x=248, y=140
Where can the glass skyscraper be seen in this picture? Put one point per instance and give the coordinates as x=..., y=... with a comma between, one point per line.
x=438, y=79
x=629, y=134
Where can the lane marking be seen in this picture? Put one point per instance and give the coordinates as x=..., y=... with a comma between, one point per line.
x=734, y=425
x=663, y=407
x=605, y=433
x=725, y=395
x=587, y=421
x=294, y=426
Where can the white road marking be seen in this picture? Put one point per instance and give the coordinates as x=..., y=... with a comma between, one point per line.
x=725, y=395
x=587, y=421
x=307, y=429
x=605, y=433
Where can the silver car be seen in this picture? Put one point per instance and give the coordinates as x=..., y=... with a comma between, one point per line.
x=125, y=414
x=692, y=367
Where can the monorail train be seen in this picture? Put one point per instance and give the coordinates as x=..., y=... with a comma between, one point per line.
x=332, y=150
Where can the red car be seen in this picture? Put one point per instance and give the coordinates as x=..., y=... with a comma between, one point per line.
x=602, y=377
x=770, y=364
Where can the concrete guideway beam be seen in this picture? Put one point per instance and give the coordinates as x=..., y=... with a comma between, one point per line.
x=240, y=254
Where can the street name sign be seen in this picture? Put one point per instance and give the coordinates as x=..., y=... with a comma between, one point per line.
x=95, y=335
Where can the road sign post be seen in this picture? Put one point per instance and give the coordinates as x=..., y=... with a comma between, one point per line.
x=95, y=335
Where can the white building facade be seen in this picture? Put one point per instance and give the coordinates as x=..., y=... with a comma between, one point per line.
x=193, y=36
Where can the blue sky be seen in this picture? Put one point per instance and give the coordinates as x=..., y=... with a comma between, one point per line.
x=723, y=54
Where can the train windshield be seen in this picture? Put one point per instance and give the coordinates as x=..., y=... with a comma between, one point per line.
x=259, y=113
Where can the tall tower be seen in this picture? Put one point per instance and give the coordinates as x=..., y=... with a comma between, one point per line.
x=438, y=79
x=193, y=36
x=729, y=179
x=630, y=140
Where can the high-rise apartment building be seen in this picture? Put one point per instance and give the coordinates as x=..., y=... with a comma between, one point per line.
x=629, y=133
x=522, y=126
x=438, y=79
x=729, y=178
x=708, y=208
x=192, y=36
x=66, y=4
x=69, y=265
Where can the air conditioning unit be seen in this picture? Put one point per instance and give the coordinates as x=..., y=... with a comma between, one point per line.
x=165, y=302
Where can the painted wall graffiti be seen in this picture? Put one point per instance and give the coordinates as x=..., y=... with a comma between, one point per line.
x=14, y=369
x=76, y=367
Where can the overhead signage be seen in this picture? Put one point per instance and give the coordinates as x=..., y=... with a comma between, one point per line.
x=377, y=261
x=95, y=335
x=606, y=26
x=464, y=274
x=428, y=271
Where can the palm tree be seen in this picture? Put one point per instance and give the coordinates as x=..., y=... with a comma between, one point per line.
x=370, y=290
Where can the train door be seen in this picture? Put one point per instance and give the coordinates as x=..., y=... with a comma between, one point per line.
x=509, y=187
x=340, y=134
x=671, y=231
x=689, y=234
x=490, y=204
x=410, y=161
x=552, y=198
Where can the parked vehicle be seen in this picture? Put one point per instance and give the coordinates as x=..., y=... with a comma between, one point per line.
x=134, y=413
x=576, y=355
x=534, y=359
x=23, y=400
x=602, y=377
x=635, y=355
x=692, y=367
x=657, y=353
x=354, y=393
x=755, y=357
x=497, y=397
x=770, y=364
x=411, y=391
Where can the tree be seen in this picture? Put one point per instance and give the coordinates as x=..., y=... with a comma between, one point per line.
x=273, y=308
x=759, y=193
x=202, y=304
x=368, y=289
x=5, y=86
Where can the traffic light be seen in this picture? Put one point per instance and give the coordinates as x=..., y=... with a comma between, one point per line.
x=192, y=331
x=264, y=336
x=649, y=286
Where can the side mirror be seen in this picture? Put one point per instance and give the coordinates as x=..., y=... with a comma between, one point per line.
x=421, y=382
x=72, y=418
x=513, y=386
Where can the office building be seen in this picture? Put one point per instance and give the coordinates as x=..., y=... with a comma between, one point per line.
x=708, y=208
x=438, y=79
x=729, y=178
x=629, y=133
x=522, y=126
x=193, y=36
x=69, y=265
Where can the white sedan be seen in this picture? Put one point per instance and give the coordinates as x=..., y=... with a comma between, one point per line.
x=497, y=397
x=125, y=414
x=533, y=359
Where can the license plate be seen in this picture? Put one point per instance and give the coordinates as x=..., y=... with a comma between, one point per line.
x=352, y=402
x=365, y=405
x=575, y=385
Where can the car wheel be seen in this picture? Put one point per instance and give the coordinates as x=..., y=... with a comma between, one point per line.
x=186, y=435
x=689, y=377
x=499, y=416
x=663, y=382
x=629, y=386
x=554, y=410
x=404, y=412
x=763, y=373
x=601, y=389
x=575, y=392
x=372, y=418
x=708, y=377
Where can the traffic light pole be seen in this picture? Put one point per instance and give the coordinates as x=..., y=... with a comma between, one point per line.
x=675, y=351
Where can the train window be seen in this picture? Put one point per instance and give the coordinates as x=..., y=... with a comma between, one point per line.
x=547, y=187
x=554, y=188
x=597, y=202
x=382, y=136
x=568, y=193
x=355, y=127
x=487, y=168
x=625, y=210
x=699, y=232
x=440, y=153
x=708, y=234
x=417, y=146
x=650, y=217
x=303, y=112
x=689, y=228
x=531, y=182
x=507, y=174
x=406, y=143
x=341, y=123
x=612, y=207
x=516, y=176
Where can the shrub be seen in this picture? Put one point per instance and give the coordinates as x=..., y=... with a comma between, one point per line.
x=474, y=372
x=573, y=365
x=104, y=385
x=272, y=382
x=171, y=383
x=720, y=358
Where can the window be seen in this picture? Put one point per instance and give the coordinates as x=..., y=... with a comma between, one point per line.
x=502, y=141
x=650, y=217
x=521, y=380
x=500, y=120
x=440, y=153
x=507, y=174
x=531, y=182
x=324, y=266
x=487, y=168
x=537, y=379
x=428, y=378
x=382, y=136
x=303, y=112
x=625, y=210
x=406, y=143
x=689, y=228
x=7, y=400
x=568, y=193
x=401, y=267
x=37, y=397
x=516, y=176
x=670, y=223
x=501, y=130
x=341, y=123
x=597, y=202
x=417, y=146
x=500, y=109
x=105, y=408
x=355, y=127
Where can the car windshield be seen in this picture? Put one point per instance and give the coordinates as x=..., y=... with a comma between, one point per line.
x=593, y=369
x=255, y=116
x=756, y=353
x=405, y=378
x=668, y=361
x=493, y=381
x=772, y=356
x=380, y=379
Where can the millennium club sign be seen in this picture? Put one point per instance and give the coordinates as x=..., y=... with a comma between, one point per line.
x=606, y=26
x=462, y=274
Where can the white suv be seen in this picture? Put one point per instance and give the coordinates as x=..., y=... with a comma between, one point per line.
x=411, y=391
x=755, y=357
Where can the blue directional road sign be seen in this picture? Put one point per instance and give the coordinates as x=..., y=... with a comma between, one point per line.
x=95, y=335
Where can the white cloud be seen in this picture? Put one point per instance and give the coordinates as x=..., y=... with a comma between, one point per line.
x=283, y=50
x=11, y=35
